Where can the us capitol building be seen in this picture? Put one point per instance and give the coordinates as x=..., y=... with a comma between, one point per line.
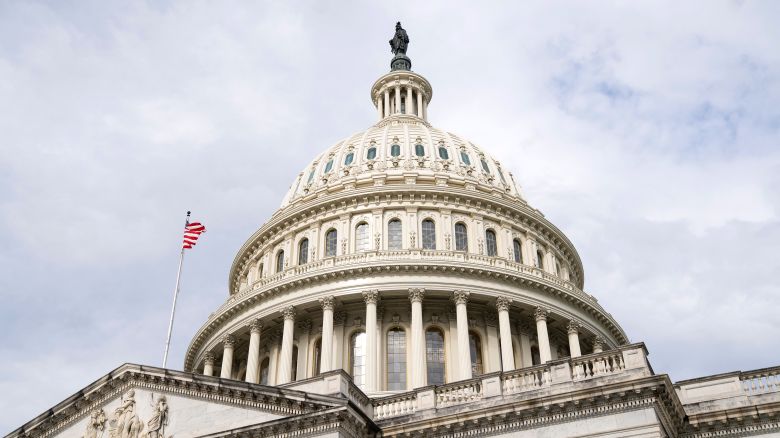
x=405, y=288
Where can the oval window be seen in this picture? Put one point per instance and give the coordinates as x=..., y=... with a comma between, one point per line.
x=371, y=153
x=348, y=159
x=329, y=166
x=465, y=158
x=311, y=177
x=485, y=166
x=443, y=153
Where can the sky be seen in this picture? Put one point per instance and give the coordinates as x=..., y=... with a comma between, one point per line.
x=648, y=131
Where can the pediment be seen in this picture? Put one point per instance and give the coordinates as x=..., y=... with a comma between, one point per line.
x=134, y=401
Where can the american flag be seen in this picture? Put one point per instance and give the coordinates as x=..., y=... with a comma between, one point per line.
x=191, y=233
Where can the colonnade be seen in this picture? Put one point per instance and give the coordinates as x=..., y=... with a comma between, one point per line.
x=417, y=368
x=389, y=102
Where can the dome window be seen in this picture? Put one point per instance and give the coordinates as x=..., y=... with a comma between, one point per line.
x=490, y=243
x=518, y=250
x=303, y=252
x=465, y=158
x=358, y=359
x=361, y=237
x=371, y=153
x=311, y=177
x=428, y=234
x=280, y=261
x=394, y=235
x=329, y=166
x=331, y=240
x=485, y=165
x=434, y=355
x=348, y=159
x=395, y=150
x=475, y=348
x=461, y=237
x=443, y=153
x=396, y=360
x=419, y=150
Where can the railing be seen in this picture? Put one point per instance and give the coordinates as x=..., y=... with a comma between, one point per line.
x=458, y=393
x=395, y=406
x=627, y=360
x=760, y=381
x=589, y=367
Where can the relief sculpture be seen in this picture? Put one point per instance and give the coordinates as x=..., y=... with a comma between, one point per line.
x=159, y=419
x=96, y=424
x=125, y=423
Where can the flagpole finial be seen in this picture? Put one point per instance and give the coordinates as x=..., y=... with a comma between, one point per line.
x=188, y=213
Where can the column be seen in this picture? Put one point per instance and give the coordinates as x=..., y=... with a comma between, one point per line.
x=598, y=344
x=505, y=332
x=493, y=360
x=273, y=362
x=337, y=359
x=285, y=359
x=379, y=106
x=304, y=329
x=461, y=298
x=208, y=364
x=417, y=339
x=326, y=350
x=397, y=99
x=419, y=104
x=371, y=297
x=452, y=352
x=227, y=356
x=409, y=101
x=425, y=110
x=574, y=339
x=541, y=334
x=253, y=358
x=526, y=358
x=387, y=103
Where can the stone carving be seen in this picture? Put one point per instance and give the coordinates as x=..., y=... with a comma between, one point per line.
x=447, y=241
x=396, y=319
x=229, y=341
x=327, y=303
x=304, y=326
x=357, y=322
x=96, y=424
x=344, y=246
x=434, y=318
x=541, y=314
x=412, y=240
x=209, y=358
x=159, y=419
x=598, y=344
x=371, y=296
x=255, y=326
x=339, y=317
x=460, y=297
x=125, y=422
x=503, y=303
x=288, y=312
x=472, y=323
x=573, y=327
x=491, y=319
x=416, y=294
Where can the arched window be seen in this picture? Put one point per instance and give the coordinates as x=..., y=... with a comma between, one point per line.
x=280, y=261
x=475, y=345
x=443, y=154
x=536, y=358
x=329, y=165
x=331, y=242
x=311, y=177
x=518, y=250
x=403, y=105
x=361, y=237
x=348, y=159
x=371, y=153
x=394, y=241
x=434, y=355
x=294, y=371
x=419, y=150
x=539, y=259
x=317, y=359
x=461, y=237
x=485, y=165
x=395, y=150
x=428, y=234
x=264, y=366
x=396, y=360
x=260, y=271
x=465, y=158
x=490, y=243
x=358, y=359
x=303, y=252
x=557, y=267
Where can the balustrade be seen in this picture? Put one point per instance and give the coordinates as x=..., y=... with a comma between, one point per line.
x=588, y=367
x=395, y=406
x=760, y=381
x=458, y=393
x=525, y=379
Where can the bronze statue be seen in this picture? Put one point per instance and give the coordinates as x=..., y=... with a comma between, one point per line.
x=400, y=41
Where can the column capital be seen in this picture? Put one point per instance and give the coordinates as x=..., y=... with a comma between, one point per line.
x=208, y=358
x=327, y=303
x=229, y=341
x=573, y=327
x=371, y=296
x=540, y=314
x=503, y=303
x=416, y=295
x=305, y=326
x=256, y=326
x=598, y=342
x=288, y=313
x=460, y=297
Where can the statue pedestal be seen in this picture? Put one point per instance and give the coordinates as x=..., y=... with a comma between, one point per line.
x=401, y=62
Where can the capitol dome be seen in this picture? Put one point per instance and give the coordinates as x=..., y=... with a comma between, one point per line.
x=406, y=256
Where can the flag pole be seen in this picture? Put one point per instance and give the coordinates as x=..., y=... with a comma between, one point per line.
x=175, y=295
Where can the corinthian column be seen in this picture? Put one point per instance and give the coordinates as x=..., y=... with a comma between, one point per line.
x=574, y=339
x=505, y=332
x=418, y=338
x=397, y=99
x=598, y=344
x=285, y=361
x=409, y=101
x=461, y=298
x=253, y=358
x=326, y=348
x=208, y=364
x=541, y=334
x=227, y=356
x=419, y=104
x=371, y=297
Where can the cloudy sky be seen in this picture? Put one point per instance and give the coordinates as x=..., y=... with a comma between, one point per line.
x=649, y=132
